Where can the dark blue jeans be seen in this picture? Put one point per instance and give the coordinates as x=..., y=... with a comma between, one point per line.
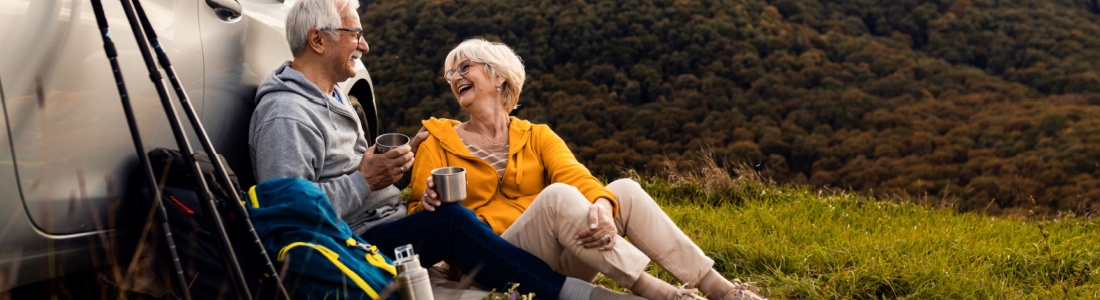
x=453, y=233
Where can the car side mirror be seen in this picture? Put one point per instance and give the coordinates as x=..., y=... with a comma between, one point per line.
x=227, y=10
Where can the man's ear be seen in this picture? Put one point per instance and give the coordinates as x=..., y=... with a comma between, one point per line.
x=316, y=41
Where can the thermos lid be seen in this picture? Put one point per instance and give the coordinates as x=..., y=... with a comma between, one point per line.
x=406, y=258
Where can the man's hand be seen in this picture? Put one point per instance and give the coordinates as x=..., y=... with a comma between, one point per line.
x=420, y=136
x=382, y=170
x=601, y=231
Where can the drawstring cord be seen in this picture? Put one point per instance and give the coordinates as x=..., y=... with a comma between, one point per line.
x=519, y=169
x=331, y=120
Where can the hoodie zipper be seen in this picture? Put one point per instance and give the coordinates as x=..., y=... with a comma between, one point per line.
x=350, y=115
x=500, y=181
x=470, y=156
x=500, y=178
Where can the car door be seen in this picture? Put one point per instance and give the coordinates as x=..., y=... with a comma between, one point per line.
x=70, y=140
x=69, y=151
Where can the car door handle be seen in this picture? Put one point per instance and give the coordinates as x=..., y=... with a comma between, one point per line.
x=227, y=10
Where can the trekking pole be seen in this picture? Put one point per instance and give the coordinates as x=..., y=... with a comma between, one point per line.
x=202, y=189
x=146, y=167
x=204, y=140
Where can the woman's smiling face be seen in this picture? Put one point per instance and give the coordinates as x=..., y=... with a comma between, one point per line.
x=469, y=81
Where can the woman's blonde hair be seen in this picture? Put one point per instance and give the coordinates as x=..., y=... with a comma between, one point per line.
x=499, y=60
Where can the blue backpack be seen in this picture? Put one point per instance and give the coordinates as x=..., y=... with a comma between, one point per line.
x=323, y=259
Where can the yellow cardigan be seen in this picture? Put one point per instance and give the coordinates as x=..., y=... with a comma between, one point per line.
x=537, y=157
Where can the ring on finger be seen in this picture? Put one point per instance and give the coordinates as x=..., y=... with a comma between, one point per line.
x=607, y=239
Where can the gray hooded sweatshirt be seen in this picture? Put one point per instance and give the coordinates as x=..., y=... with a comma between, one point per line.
x=297, y=131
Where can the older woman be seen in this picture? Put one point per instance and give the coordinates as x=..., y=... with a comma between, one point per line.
x=528, y=186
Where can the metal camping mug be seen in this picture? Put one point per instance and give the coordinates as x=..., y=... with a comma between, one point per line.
x=450, y=183
x=389, y=141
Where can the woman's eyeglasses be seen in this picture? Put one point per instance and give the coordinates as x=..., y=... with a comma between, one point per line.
x=462, y=68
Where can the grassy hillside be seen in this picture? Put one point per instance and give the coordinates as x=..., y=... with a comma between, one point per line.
x=797, y=243
x=980, y=104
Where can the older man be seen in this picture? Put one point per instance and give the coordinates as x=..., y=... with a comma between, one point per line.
x=303, y=127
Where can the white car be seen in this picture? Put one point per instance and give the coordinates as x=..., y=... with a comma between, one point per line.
x=65, y=148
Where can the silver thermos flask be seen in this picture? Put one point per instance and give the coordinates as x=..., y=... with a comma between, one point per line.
x=412, y=279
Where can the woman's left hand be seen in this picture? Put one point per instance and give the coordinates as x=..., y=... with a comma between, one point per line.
x=601, y=231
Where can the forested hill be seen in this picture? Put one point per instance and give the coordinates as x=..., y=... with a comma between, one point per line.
x=988, y=104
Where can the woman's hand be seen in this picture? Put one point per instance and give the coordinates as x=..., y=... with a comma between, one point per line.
x=430, y=200
x=601, y=231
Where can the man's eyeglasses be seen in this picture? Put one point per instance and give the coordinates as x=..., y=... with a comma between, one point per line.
x=357, y=33
x=462, y=68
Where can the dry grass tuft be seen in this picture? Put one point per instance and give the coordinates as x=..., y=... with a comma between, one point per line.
x=703, y=180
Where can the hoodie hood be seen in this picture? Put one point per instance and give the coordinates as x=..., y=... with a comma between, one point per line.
x=519, y=133
x=287, y=79
x=444, y=130
x=286, y=82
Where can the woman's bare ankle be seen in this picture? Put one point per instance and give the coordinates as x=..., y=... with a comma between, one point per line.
x=654, y=288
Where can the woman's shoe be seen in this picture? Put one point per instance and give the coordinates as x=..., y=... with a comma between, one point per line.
x=688, y=294
x=742, y=291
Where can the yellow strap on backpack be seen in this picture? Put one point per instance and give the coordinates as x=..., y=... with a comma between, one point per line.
x=334, y=258
x=252, y=197
x=374, y=258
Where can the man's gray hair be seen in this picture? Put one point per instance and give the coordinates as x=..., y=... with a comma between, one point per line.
x=310, y=14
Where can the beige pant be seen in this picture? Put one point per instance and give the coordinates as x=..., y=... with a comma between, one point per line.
x=546, y=230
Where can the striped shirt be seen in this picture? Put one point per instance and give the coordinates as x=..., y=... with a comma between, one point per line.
x=497, y=156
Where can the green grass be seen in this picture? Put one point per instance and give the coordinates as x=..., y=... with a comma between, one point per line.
x=797, y=243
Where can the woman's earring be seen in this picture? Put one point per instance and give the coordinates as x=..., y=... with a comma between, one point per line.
x=498, y=89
